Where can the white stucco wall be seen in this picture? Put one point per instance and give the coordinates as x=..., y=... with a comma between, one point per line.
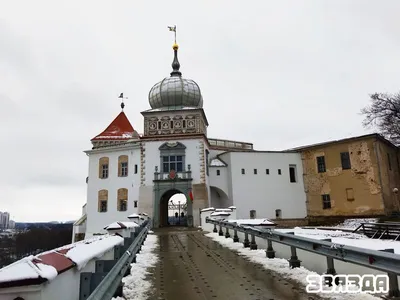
x=265, y=193
x=96, y=220
x=152, y=157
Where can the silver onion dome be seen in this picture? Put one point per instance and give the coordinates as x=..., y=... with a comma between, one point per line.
x=175, y=92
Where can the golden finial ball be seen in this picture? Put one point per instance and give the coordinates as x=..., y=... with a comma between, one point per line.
x=175, y=46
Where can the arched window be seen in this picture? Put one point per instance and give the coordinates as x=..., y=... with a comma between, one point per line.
x=102, y=200
x=123, y=166
x=18, y=298
x=103, y=167
x=122, y=197
x=172, y=157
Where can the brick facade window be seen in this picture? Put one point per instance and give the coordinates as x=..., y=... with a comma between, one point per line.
x=123, y=166
x=103, y=167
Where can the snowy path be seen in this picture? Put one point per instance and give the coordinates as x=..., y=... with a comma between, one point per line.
x=194, y=267
x=281, y=266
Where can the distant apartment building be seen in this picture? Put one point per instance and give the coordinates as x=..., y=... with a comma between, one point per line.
x=358, y=176
x=4, y=220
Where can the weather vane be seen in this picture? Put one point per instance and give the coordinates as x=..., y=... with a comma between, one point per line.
x=122, y=100
x=173, y=28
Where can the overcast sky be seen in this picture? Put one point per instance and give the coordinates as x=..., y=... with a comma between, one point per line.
x=279, y=74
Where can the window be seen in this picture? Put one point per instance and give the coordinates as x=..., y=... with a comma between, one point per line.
x=292, y=173
x=255, y=171
x=278, y=213
x=345, y=158
x=389, y=162
x=103, y=167
x=122, y=165
x=173, y=162
x=350, y=194
x=103, y=200
x=321, y=164
x=134, y=203
x=136, y=169
x=279, y=172
x=124, y=169
x=123, y=205
x=252, y=214
x=218, y=172
x=243, y=172
x=326, y=201
x=122, y=199
x=267, y=171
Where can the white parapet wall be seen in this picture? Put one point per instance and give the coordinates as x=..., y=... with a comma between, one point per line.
x=216, y=213
x=55, y=274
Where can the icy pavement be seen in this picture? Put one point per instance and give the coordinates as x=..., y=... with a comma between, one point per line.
x=137, y=286
x=281, y=267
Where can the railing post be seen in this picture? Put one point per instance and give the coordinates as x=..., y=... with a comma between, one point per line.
x=227, y=235
x=253, y=245
x=220, y=233
x=215, y=228
x=393, y=282
x=270, y=251
x=294, y=262
x=235, y=236
x=246, y=242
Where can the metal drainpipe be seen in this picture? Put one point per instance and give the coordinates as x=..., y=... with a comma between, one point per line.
x=379, y=173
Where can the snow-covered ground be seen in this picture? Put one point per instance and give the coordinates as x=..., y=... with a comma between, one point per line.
x=136, y=286
x=281, y=266
x=346, y=238
x=354, y=223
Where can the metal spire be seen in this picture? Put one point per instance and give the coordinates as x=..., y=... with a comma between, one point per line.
x=175, y=64
x=121, y=96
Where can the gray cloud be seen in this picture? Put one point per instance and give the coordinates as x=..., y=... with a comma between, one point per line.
x=287, y=73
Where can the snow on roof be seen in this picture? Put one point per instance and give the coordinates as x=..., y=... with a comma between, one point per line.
x=144, y=214
x=132, y=216
x=84, y=252
x=207, y=209
x=223, y=209
x=121, y=225
x=47, y=265
x=220, y=213
x=27, y=268
x=232, y=207
x=216, y=162
x=119, y=129
x=254, y=222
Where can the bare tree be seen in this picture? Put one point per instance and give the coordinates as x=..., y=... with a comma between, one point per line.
x=384, y=114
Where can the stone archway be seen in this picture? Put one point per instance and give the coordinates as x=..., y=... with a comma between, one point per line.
x=219, y=199
x=162, y=194
x=165, y=202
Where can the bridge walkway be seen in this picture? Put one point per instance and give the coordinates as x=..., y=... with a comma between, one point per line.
x=194, y=267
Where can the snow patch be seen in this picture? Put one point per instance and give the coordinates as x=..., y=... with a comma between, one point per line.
x=217, y=163
x=252, y=222
x=136, y=286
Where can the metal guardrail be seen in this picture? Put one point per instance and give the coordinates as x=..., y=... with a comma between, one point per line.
x=384, y=260
x=111, y=282
x=387, y=230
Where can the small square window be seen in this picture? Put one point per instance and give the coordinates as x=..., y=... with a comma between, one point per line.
x=218, y=172
x=134, y=203
x=321, y=164
x=267, y=171
x=292, y=173
x=255, y=171
x=326, y=201
x=279, y=172
x=243, y=172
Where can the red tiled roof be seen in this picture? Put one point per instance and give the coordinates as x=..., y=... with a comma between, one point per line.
x=119, y=129
x=59, y=261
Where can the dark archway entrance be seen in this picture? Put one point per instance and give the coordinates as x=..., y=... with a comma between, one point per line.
x=173, y=209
